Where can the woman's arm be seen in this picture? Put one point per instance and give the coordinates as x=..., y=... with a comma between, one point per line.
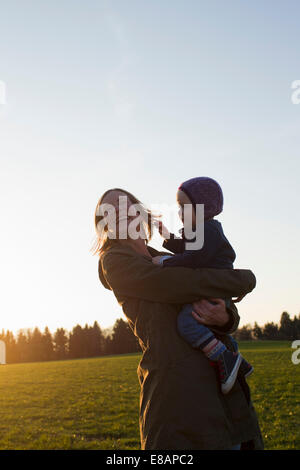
x=132, y=275
x=234, y=319
x=176, y=245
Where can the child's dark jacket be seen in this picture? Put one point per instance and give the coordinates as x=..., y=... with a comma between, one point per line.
x=216, y=252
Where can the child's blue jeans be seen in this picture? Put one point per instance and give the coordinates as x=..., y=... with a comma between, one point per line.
x=194, y=333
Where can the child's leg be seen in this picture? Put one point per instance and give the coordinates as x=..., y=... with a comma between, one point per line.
x=246, y=369
x=199, y=336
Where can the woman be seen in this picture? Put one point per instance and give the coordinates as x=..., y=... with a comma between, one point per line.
x=181, y=405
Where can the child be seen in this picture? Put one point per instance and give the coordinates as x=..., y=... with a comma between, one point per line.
x=215, y=253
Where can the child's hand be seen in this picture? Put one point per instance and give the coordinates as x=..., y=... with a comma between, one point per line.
x=164, y=232
x=156, y=259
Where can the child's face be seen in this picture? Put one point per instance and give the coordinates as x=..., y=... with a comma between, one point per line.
x=183, y=199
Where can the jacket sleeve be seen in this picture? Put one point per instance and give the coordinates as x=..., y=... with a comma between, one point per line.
x=132, y=275
x=233, y=322
x=198, y=258
x=175, y=245
x=191, y=259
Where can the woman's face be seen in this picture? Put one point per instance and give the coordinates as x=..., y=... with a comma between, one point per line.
x=121, y=208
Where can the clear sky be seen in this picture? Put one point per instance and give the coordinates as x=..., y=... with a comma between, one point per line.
x=143, y=95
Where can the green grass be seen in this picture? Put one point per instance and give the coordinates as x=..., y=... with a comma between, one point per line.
x=275, y=388
x=93, y=403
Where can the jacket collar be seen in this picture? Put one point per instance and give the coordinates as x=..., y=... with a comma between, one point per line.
x=120, y=249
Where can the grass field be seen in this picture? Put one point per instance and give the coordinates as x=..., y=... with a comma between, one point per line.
x=93, y=403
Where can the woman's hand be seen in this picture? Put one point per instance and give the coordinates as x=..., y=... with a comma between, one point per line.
x=209, y=314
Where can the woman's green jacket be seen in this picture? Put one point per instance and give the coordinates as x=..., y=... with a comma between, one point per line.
x=181, y=405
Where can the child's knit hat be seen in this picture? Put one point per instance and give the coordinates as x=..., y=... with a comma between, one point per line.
x=204, y=190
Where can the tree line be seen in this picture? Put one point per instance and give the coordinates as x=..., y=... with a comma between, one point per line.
x=288, y=329
x=90, y=341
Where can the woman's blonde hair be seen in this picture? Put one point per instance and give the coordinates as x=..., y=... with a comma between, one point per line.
x=103, y=242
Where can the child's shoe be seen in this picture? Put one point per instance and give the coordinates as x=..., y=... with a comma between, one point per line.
x=245, y=368
x=228, y=364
